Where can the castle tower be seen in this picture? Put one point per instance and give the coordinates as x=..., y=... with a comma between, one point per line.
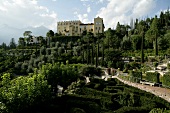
x=98, y=25
x=75, y=28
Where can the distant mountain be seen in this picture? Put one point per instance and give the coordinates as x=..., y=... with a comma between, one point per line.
x=7, y=32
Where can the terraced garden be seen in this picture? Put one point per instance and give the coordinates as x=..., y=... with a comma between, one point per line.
x=111, y=96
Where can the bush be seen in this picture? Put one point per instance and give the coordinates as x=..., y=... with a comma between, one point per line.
x=135, y=76
x=166, y=80
x=158, y=110
x=153, y=77
x=90, y=71
x=126, y=109
x=23, y=92
x=93, y=92
x=77, y=110
x=87, y=106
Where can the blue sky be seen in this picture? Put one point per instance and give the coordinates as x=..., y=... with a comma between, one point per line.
x=24, y=13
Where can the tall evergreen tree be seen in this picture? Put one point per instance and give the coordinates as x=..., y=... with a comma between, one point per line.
x=152, y=34
x=49, y=35
x=12, y=43
x=142, y=46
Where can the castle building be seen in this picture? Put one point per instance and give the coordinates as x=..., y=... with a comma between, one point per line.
x=76, y=28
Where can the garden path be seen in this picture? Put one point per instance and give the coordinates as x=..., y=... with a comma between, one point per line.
x=158, y=91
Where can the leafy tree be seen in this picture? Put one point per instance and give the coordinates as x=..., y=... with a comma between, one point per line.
x=112, y=40
x=90, y=71
x=41, y=40
x=136, y=42
x=4, y=46
x=126, y=43
x=27, y=36
x=164, y=41
x=21, y=42
x=23, y=92
x=113, y=54
x=152, y=34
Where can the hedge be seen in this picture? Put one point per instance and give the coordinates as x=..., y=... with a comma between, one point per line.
x=135, y=76
x=126, y=109
x=65, y=39
x=87, y=106
x=153, y=77
x=166, y=80
x=93, y=92
x=159, y=110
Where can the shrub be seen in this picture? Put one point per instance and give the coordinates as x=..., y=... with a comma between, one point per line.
x=166, y=80
x=87, y=106
x=77, y=110
x=153, y=77
x=159, y=110
x=135, y=76
x=23, y=92
x=90, y=71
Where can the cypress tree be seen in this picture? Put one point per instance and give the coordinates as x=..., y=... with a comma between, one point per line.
x=142, y=46
x=103, y=52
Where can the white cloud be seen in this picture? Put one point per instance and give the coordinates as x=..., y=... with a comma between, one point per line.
x=88, y=9
x=83, y=17
x=100, y=1
x=23, y=13
x=123, y=11
x=84, y=0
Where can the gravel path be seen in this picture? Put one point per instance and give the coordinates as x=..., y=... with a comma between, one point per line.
x=158, y=91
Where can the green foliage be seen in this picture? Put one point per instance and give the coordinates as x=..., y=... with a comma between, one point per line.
x=126, y=109
x=62, y=74
x=159, y=110
x=168, y=65
x=155, y=64
x=23, y=92
x=153, y=77
x=42, y=50
x=77, y=110
x=112, y=55
x=136, y=42
x=90, y=71
x=152, y=34
x=126, y=43
x=135, y=76
x=166, y=80
x=92, y=92
x=65, y=39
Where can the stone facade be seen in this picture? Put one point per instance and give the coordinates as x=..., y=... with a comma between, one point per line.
x=76, y=28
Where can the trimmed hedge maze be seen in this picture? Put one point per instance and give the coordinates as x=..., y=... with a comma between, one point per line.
x=111, y=96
